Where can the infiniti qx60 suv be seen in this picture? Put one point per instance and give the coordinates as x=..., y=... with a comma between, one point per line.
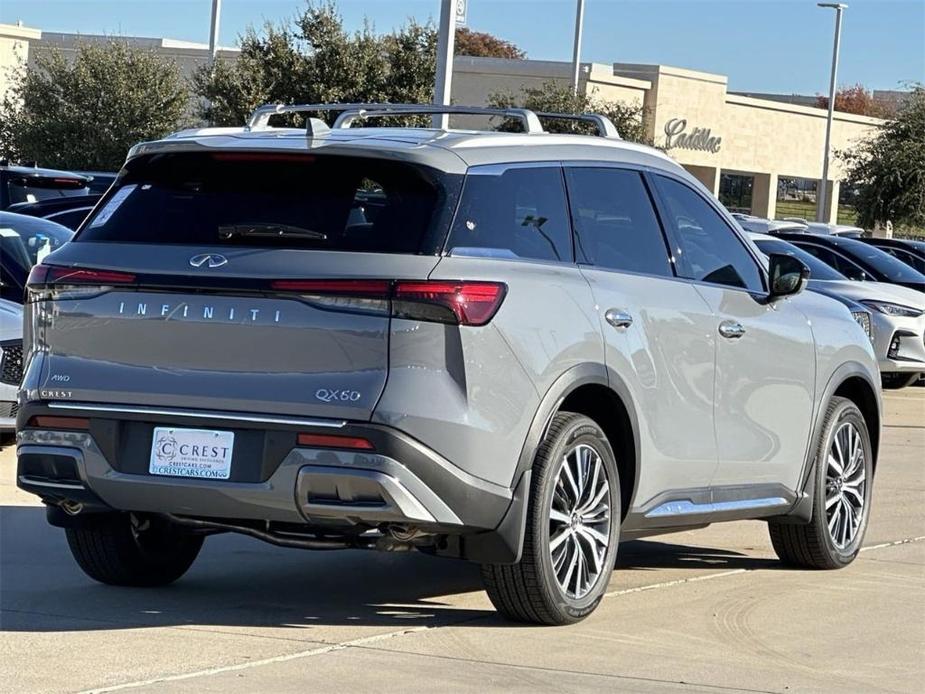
x=515, y=348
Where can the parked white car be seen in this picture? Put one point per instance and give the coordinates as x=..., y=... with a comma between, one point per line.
x=760, y=225
x=825, y=228
x=10, y=362
x=897, y=314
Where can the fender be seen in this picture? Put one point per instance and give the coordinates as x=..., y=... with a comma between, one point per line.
x=803, y=508
x=579, y=375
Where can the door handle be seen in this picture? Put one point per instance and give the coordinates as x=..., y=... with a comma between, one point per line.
x=731, y=329
x=617, y=318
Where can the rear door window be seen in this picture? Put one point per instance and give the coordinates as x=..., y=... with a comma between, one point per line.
x=849, y=269
x=513, y=212
x=280, y=200
x=615, y=223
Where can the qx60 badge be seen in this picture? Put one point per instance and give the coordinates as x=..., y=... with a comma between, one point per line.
x=208, y=260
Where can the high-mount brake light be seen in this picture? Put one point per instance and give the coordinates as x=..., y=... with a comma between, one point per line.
x=456, y=302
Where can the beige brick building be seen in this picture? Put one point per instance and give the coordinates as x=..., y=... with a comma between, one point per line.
x=757, y=155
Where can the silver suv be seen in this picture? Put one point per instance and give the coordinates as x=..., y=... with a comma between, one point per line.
x=515, y=348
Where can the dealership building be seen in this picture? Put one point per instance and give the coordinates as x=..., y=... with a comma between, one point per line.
x=761, y=155
x=758, y=155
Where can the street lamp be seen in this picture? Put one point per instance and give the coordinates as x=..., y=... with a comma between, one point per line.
x=576, y=46
x=823, y=188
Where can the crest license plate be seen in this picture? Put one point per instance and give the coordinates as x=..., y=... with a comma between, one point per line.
x=201, y=453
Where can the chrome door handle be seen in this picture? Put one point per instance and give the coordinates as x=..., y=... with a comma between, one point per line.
x=618, y=319
x=731, y=329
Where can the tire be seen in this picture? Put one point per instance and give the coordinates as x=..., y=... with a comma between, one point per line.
x=895, y=381
x=119, y=550
x=536, y=589
x=818, y=544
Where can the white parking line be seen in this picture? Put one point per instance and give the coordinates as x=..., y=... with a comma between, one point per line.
x=321, y=650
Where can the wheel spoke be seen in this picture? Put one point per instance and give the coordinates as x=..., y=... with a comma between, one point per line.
x=835, y=465
x=559, y=538
x=593, y=503
x=558, y=516
x=566, y=468
x=830, y=501
x=855, y=493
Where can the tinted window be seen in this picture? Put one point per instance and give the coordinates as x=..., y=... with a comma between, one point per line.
x=615, y=225
x=818, y=270
x=850, y=270
x=322, y=202
x=892, y=269
x=906, y=257
x=24, y=242
x=709, y=250
x=518, y=212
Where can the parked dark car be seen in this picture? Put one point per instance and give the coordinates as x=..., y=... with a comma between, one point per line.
x=24, y=242
x=909, y=251
x=858, y=260
x=69, y=211
x=29, y=184
x=99, y=180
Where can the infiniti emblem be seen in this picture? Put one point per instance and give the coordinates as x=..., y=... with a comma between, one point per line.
x=208, y=260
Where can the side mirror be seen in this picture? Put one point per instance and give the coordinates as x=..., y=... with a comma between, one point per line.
x=787, y=275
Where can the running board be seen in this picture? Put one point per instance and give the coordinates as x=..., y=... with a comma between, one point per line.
x=689, y=508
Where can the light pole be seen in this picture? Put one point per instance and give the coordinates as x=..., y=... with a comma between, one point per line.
x=213, y=33
x=446, y=41
x=576, y=47
x=823, y=184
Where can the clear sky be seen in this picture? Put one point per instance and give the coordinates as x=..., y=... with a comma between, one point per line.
x=762, y=45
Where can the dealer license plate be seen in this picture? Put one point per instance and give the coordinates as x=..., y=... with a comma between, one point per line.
x=202, y=453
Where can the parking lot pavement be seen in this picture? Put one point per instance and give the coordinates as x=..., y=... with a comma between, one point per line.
x=709, y=610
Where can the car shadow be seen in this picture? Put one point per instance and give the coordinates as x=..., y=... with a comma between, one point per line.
x=241, y=582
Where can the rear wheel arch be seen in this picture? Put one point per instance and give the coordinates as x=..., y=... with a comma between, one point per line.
x=600, y=394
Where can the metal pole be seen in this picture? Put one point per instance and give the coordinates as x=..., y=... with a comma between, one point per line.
x=576, y=47
x=213, y=34
x=824, y=183
x=446, y=41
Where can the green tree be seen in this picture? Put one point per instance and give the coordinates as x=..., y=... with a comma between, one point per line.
x=889, y=169
x=558, y=97
x=315, y=60
x=85, y=113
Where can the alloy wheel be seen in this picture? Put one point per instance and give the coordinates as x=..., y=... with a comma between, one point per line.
x=845, y=485
x=579, y=521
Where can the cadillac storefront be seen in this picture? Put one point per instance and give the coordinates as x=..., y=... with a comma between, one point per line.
x=758, y=155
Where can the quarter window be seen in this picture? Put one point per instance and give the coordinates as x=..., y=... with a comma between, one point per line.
x=517, y=212
x=615, y=224
x=708, y=248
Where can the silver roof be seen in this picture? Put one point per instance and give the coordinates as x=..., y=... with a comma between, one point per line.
x=452, y=151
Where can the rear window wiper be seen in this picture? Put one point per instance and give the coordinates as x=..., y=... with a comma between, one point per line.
x=268, y=230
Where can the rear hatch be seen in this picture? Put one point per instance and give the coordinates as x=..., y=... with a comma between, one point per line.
x=238, y=281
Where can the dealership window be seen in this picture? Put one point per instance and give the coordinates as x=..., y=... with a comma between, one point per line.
x=735, y=192
x=796, y=197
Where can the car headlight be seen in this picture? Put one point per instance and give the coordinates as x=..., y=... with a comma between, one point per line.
x=863, y=319
x=894, y=309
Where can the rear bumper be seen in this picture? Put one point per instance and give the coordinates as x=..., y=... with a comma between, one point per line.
x=401, y=482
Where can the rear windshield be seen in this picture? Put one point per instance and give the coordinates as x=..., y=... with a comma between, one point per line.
x=280, y=200
x=37, y=188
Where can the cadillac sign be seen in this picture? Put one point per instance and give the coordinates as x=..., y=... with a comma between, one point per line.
x=699, y=138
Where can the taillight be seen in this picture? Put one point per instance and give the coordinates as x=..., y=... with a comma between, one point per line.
x=441, y=301
x=465, y=303
x=51, y=281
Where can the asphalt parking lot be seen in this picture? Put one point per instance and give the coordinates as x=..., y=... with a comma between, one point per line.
x=709, y=610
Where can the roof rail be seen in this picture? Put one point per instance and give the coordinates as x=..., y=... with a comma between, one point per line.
x=531, y=124
x=605, y=126
x=530, y=120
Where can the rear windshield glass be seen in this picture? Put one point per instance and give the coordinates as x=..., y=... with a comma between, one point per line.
x=276, y=200
x=35, y=188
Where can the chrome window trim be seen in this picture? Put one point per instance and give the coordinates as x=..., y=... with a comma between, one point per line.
x=198, y=414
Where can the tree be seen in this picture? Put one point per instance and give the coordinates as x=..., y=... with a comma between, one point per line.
x=629, y=119
x=316, y=61
x=888, y=170
x=85, y=114
x=857, y=100
x=484, y=45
